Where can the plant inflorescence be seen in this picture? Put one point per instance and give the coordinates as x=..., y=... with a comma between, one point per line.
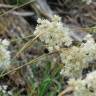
x=55, y=35
x=5, y=57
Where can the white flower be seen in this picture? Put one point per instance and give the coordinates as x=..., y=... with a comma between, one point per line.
x=3, y=89
x=54, y=35
x=84, y=87
x=79, y=88
x=91, y=81
x=4, y=55
x=88, y=2
x=75, y=59
x=5, y=42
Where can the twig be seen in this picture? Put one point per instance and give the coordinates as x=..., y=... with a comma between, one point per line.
x=17, y=7
x=28, y=63
x=6, y=6
x=27, y=45
x=41, y=7
x=22, y=13
x=69, y=89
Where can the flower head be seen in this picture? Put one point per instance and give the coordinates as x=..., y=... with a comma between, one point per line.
x=75, y=59
x=54, y=34
x=4, y=54
x=79, y=88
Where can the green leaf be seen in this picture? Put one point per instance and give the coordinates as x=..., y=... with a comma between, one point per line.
x=44, y=86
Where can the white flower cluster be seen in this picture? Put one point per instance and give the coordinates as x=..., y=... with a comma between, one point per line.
x=3, y=90
x=75, y=59
x=53, y=34
x=87, y=1
x=91, y=81
x=4, y=54
x=85, y=87
x=79, y=88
